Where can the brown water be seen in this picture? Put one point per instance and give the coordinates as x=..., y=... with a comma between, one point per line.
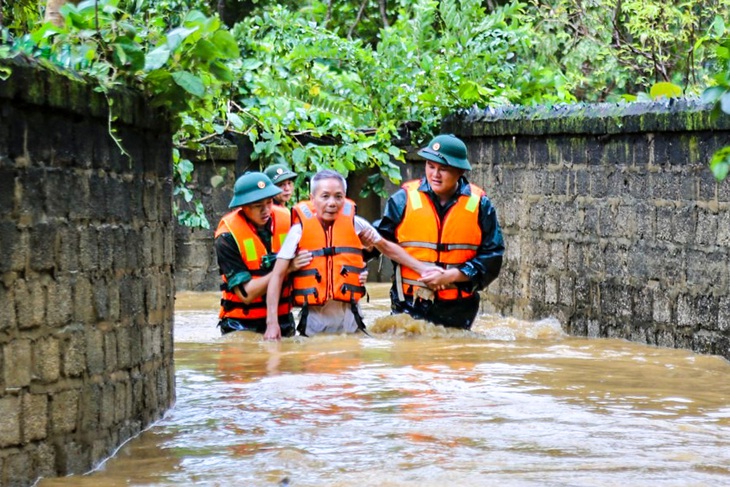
x=511, y=403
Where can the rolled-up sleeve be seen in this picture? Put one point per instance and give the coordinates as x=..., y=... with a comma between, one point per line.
x=485, y=267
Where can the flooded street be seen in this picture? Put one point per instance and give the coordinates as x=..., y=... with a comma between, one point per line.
x=510, y=403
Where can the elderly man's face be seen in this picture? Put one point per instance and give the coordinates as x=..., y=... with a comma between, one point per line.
x=259, y=212
x=328, y=199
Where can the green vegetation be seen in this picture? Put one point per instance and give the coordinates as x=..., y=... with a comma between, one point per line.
x=719, y=94
x=345, y=84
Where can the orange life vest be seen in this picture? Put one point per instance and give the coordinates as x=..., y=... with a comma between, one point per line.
x=447, y=243
x=337, y=261
x=252, y=251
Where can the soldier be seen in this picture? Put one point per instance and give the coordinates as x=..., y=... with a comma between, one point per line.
x=283, y=177
x=444, y=220
x=246, y=243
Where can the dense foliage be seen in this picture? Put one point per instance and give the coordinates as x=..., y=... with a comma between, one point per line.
x=344, y=84
x=719, y=94
x=609, y=48
x=300, y=79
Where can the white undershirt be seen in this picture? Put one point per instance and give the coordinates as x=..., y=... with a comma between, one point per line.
x=334, y=316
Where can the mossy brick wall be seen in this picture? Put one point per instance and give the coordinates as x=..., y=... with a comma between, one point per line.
x=196, y=267
x=613, y=221
x=86, y=286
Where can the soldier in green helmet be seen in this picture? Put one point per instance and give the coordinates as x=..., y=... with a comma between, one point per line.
x=283, y=177
x=444, y=220
x=246, y=243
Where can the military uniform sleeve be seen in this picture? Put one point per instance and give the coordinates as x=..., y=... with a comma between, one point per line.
x=395, y=207
x=230, y=261
x=485, y=267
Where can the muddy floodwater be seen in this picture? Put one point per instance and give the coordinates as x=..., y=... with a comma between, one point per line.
x=510, y=403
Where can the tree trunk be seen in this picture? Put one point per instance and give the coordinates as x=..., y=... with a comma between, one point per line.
x=53, y=8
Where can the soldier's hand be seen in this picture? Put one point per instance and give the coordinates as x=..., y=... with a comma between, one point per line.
x=435, y=278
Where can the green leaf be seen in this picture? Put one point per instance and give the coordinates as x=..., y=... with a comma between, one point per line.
x=130, y=55
x=720, y=163
x=156, y=58
x=236, y=121
x=221, y=71
x=226, y=43
x=205, y=49
x=176, y=36
x=725, y=102
x=394, y=151
x=712, y=94
x=251, y=64
x=216, y=181
x=298, y=156
x=663, y=88
x=189, y=82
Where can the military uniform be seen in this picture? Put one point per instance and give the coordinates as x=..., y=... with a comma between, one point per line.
x=462, y=233
x=246, y=251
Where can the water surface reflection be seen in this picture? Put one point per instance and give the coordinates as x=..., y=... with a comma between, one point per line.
x=511, y=403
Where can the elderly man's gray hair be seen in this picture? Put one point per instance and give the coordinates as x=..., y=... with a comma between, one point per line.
x=327, y=174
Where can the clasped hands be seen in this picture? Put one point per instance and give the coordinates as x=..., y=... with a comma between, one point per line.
x=435, y=278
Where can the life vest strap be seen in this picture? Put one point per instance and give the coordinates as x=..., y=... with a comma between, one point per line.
x=229, y=305
x=352, y=288
x=308, y=272
x=305, y=292
x=358, y=319
x=330, y=251
x=346, y=269
x=420, y=245
x=457, y=246
x=259, y=272
x=439, y=247
x=412, y=282
x=302, y=326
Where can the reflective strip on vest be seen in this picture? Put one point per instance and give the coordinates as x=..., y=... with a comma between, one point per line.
x=415, y=198
x=249, y=248
x=473, y=203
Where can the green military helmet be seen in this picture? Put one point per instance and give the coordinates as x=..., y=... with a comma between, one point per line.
x=279, y=173
x=252, y=187
x=446, y=149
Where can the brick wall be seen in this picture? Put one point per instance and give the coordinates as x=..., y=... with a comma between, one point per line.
x=613, y=221
x=196, y=267
x=86, y=288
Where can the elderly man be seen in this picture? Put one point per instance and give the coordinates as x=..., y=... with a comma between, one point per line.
x=444, y=220
x=327, y=287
